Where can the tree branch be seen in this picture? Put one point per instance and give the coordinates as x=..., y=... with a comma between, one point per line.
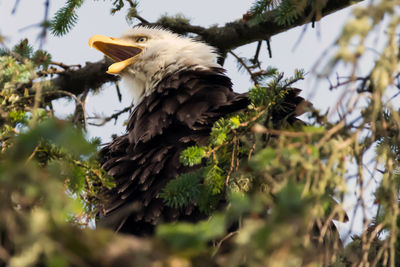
x=91, y=76
x=240, y=32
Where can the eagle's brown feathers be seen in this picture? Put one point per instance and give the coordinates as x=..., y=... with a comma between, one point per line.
x=179, y=113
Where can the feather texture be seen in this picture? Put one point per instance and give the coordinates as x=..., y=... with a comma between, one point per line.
x=179, y=113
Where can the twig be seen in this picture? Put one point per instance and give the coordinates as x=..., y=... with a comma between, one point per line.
x=240, y=60
x=262, y=129
x=32, y=155
x=50, y=71
x=16, y=4
x=253, y=147
x=131, y=3
x=328, y=222
x=36, y=103
x=4, y=255
x=379, y=254
x=65, y=93
x=303, y=32
x=113, y=116
x=256, y=55
x=232, y=161
x=229, y=235
x=77, y=100
x=43, y=34
x=348, y=81
x=65, y=66
x=331, y=132
x=118, y=91
x=80, y=110
x=142, y=20
x=269, y=47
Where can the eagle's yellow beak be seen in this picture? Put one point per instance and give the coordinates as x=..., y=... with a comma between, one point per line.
x=120, y=51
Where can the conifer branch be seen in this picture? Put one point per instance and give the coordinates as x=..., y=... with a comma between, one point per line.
x=240, y=32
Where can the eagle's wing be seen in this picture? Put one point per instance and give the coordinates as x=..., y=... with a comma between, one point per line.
x=179, y=113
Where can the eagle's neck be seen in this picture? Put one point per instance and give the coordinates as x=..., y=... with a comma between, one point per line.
x=142, y=79
x=164, y=58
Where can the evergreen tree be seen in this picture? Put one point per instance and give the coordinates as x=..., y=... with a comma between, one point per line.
x=283, y=182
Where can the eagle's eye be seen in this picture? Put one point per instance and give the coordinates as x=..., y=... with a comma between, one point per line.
x=141, y=39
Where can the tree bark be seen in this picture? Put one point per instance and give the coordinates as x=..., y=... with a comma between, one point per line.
x=240, y=32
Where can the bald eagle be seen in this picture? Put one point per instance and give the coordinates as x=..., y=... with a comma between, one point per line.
x=179, y=91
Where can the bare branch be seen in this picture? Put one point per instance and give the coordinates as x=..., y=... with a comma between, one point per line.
x=113, y=116
x=16, y=4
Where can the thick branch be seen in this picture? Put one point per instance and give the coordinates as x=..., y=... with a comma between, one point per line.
x=238, y=33
x=92, y=76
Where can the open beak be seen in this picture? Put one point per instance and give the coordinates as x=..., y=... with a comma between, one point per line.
x=120, y=51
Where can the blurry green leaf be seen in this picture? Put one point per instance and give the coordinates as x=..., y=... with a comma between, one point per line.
x=192, y=238
x=57, y=132
x=57, y=260
x=262, y=159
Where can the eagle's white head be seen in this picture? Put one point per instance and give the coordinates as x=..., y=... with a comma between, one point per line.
x=144, y=55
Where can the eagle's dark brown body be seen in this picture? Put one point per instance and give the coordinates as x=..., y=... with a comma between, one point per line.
x=179, y=113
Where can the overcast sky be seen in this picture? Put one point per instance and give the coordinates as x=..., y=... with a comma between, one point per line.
x=95, y=18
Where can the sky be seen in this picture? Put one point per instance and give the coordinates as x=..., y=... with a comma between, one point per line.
x=95, y=18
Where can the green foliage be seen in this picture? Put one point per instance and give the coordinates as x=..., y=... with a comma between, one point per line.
x=214, y=179
x=18, y=65
x=192, y=156
x=271, y=192
x=286, y=11
x=118, y=5
x=192, y=238
x=34, y=178
x=185, y=189
x=41, y=58
x=275, y=90
x=23, y=49
x=132, y=12
x=65, y=18
x=178, y=19
x=48, y=170
x=260, y=6
x=12, y=72
x=224, y=150
x=18, y=116
x=220, y=131
x=263, y=159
